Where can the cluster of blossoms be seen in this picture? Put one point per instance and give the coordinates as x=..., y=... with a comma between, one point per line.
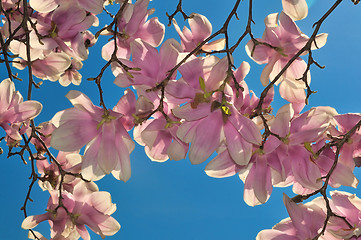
x=58, y=36
x=306, y=220
x=180, y=104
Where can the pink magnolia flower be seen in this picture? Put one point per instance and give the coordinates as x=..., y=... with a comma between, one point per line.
x=13, y=110
x=342, y=174
x=352, y=148
x=71, y=75
x=160, y=140
x=85, y=206
x=104, y=132
x=133, y=24
x=50, y=67
x=349, y=206
x=63, y=29
x=209, y=118
x=45, y=129
x=286, y=38
x=153, y=65
x=281, y=163
x=305, y=222
x=297, y=132
x=70, y=162
x=200, y=30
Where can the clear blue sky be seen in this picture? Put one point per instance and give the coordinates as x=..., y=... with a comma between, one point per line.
x=177, y=200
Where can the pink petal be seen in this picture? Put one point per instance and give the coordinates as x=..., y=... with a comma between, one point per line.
x=297, y=9
x=169, y=52
x=138, y=17
x=222, y=166
x=217, y=75
x=102, y=202
x=273, y=234
x=267, y=70
x=51, y=66
x=83, y=232
x=260, y=54
x=108, y=225
x=11, y=132
x=7, y=89
x=90, y=168
x=246, y=127
x=258, y=185
x=124, y=146
x=216, y=45
x=271, y=20
x=292, y=95
x=321, y=40
x=288, y=24
x=24, y=111
x=151, y=32
x=177, y=150
x=108, y=156
x=126, y=106
x=94, y=6
x=206, y=139
x=83, y=103
x=239, y=149
x=200, y=26
x=76, y=130
x=43, y=6
x=32, y=221
x=306, y=172
x=281, y=124
x=187, y=130
x=180, y=89
x=190, y=114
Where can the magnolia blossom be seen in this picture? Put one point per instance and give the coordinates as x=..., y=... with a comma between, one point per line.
x=50, y=175
x=49, y=67
x=208, y=117
x=282, y=160
x=14, y=111
x=349, y=206
x=45, y=129
x=85, y=206
x=58, y=42
x=286, y=40
x=152, y=66
x=64, y=29
x=351, y=150
x=133, y=24
x=200, y=30
x=103, y=131
x=71, y=75
x=307, y=220
x=160, y=140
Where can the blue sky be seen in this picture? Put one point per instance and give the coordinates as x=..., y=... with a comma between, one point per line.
x=177, y=200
